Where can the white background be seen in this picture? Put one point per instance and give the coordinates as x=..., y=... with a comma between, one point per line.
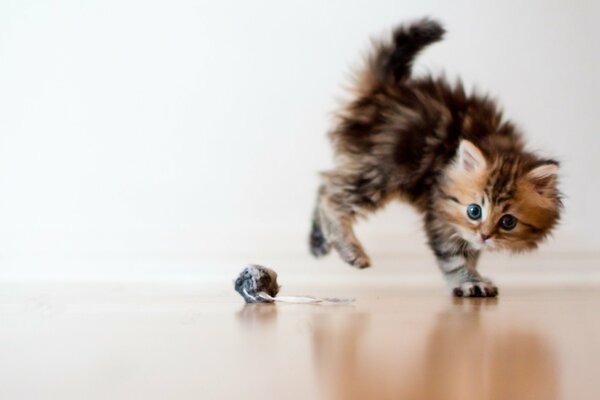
x=142, y=138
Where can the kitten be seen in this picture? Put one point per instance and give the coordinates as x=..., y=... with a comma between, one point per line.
x=448, y=153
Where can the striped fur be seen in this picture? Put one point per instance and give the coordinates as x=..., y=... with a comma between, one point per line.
x=428, y=142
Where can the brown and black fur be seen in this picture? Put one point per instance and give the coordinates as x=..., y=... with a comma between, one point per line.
x=428, y=142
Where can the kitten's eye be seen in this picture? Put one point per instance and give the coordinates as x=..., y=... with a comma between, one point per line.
x=474, y=211
x=508, y=222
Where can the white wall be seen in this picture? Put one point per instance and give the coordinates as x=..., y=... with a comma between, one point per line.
x=139, y=130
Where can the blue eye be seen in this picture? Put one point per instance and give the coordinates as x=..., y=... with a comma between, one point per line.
x=474, y=211
x=508, y=222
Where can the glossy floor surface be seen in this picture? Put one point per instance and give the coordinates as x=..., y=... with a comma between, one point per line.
x=183, y=342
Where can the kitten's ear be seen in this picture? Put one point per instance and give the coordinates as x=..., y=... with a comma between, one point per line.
x=470, y=158
x=544, y=176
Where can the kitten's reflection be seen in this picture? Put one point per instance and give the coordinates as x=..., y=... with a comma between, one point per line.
x=464, y=357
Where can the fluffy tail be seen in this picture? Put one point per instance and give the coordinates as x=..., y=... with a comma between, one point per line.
x=392, y=62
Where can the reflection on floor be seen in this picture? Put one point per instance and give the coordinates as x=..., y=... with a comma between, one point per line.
x=462, y=357
x=183, y=342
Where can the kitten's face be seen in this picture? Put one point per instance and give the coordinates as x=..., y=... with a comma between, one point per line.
x=502, y=204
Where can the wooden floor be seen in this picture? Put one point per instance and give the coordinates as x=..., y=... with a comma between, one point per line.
x=184, y=342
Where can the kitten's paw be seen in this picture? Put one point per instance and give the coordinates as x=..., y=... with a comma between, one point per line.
x=353, y=254
x=476, y=289
x=319, y=246
x=319, y=249
x=356, y=257
x=360, y=262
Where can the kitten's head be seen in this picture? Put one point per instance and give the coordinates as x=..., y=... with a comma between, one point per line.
x=509, y=201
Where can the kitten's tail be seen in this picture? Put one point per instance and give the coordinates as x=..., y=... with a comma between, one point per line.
x=391, y=62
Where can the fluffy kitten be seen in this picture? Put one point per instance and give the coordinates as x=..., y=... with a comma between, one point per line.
x=450, y=154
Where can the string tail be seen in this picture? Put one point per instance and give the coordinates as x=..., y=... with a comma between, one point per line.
x=304, y=299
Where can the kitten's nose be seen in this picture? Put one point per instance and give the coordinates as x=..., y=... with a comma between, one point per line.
x=484, y=237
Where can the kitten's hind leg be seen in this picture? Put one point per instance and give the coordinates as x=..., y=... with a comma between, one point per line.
x=319, y=246
x=332, y=226
x=348, y=246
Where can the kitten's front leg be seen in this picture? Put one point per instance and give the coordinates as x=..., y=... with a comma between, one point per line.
x=462, y=276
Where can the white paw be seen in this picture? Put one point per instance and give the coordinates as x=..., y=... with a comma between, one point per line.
x=475, y=289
